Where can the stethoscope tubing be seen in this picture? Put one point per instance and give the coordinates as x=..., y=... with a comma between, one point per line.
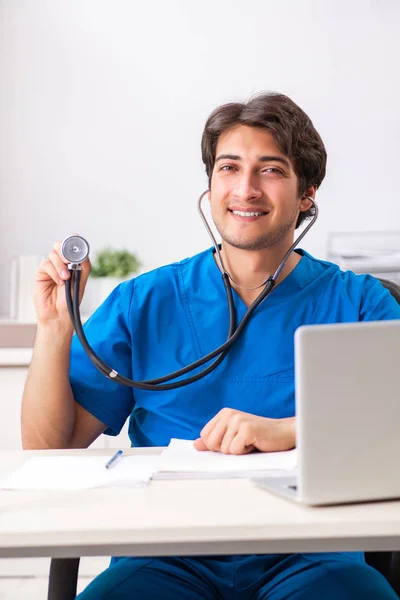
x=159, y=384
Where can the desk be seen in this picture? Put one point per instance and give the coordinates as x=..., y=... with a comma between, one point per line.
x=230, y=516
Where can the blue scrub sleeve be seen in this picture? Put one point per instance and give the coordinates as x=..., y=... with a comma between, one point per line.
x=377, y=303
x=108, y=333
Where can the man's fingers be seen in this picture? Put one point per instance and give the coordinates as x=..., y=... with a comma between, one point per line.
x=230, y=445
x=47, y=271
x=208, y=427
x=86, y=265
x=58, y=263
x=230, y=433
x=214, y=438
x=239, y=445
x=199, y=444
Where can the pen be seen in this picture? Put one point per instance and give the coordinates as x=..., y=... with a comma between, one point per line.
x=114, y=458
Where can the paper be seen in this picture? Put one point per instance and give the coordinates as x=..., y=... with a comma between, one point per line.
x=179, y=461
x=81, y=472
x=182, y=460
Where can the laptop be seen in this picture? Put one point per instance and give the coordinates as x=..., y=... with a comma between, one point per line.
x=347, y=379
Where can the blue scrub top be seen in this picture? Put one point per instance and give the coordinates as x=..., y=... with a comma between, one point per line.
x=174, y=315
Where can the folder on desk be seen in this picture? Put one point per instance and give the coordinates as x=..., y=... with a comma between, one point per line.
x=181, y=460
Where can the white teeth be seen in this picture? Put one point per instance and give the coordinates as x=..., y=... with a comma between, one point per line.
x=241, y=213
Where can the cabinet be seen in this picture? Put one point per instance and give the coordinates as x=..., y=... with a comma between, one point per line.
x=15, y=356
x=12, y=381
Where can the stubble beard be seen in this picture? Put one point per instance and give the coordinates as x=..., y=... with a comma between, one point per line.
x=267, y=240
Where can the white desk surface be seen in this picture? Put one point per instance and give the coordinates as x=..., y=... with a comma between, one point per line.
x=228, y=516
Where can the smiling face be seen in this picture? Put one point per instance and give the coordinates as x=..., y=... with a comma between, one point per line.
x=254, y=190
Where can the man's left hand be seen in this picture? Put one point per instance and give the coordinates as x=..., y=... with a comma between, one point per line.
x=235, y=432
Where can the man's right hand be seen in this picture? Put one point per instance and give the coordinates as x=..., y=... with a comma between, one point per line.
x=49, y=291
x=50, y=416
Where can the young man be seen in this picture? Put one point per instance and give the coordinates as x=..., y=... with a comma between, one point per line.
x=264, y=161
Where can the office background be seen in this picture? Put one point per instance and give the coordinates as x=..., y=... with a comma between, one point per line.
x=102, y=107
x=103, y=103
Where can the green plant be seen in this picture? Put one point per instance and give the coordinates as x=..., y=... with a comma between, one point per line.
x=114, y=263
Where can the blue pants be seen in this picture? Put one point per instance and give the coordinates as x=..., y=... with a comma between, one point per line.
x=328, y=576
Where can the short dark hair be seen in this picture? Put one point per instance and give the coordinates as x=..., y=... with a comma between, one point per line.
x=290, y=127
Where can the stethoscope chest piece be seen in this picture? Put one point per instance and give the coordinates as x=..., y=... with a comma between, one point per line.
x=75, y=249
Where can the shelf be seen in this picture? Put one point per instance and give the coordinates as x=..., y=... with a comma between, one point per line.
x=15, y=357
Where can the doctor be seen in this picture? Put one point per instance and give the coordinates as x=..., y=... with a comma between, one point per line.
x=263, y=158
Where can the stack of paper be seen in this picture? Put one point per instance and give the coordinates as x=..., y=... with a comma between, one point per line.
x=179, y=461
x=182, y=461
x=81, y=472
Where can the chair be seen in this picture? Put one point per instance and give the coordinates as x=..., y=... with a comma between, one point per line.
x=64, y=571
x=393, y=288
x=63, y=578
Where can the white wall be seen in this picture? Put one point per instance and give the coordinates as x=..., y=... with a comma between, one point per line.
x=102, y=105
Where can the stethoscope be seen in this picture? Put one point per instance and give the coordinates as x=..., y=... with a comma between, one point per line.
x=75, y=249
